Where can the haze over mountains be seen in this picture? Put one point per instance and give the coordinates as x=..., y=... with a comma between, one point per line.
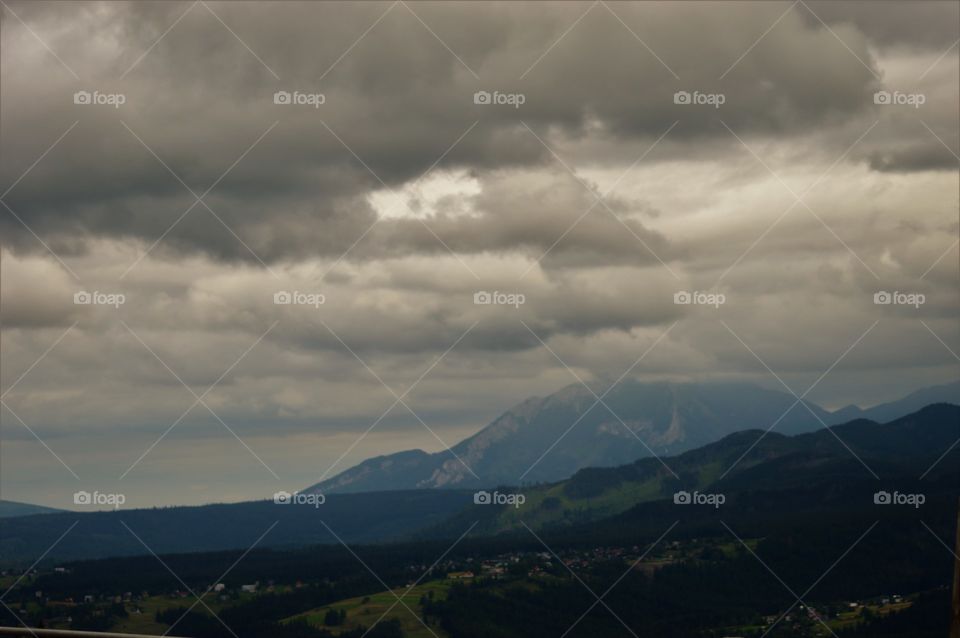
x=549, y=439
x=946, y=393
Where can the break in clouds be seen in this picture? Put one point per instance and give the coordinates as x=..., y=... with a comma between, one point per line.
x=194, y=160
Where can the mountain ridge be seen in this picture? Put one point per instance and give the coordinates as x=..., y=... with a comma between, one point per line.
x=545, y=439
x=778, y=462
x=912, y=402
x=750, y=461
x=16, y=508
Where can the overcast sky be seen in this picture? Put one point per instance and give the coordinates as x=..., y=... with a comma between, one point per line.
x=147, y=153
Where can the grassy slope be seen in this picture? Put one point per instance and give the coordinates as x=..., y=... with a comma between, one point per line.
x=552, y=504
x=360, y=613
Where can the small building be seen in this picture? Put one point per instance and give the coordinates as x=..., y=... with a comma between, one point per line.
x=460, y=575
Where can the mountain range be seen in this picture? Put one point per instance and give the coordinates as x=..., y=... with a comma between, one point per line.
x=549, y=439
x=767, y=477
x=917, y=450
x=884, y=412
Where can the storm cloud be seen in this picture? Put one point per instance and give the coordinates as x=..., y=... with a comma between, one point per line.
x=591, y=159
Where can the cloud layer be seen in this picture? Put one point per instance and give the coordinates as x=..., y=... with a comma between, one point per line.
x=825, y=172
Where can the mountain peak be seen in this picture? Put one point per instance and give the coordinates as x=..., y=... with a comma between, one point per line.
x=550, y=438
x=545, y=439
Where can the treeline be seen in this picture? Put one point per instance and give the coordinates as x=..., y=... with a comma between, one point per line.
x=722, y=589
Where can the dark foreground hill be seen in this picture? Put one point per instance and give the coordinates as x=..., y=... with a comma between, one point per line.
x=351, y=517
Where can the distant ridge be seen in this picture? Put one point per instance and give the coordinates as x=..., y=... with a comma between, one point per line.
x=16, y=508
x=748, y=463
x=665, y=418
x=947, y=393
x=906, y=447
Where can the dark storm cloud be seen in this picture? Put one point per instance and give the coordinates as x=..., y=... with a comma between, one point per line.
x=398, y=100
x=511, y=206
x=923, y=24
x=919, y=157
